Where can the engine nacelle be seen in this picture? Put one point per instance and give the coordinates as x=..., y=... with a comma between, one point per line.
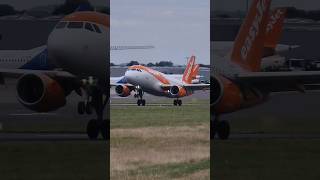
x=177, y=91
x=40, y=93
x=225, y=95
x=123, y=91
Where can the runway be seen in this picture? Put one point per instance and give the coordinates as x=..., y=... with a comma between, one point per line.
x=244, y=136
x=25, y=137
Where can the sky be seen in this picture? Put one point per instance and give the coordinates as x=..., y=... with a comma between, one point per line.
x=177, y=28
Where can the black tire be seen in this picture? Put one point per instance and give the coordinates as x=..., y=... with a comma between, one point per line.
x=143, y=102
x=179, y=102
x=223, y=130
x=81, y=107
x=105, y=129
x=175, y=102
x=93, y=129
x=139, y=102
x=88, y=108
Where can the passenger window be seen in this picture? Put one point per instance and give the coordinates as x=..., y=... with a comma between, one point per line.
x=89, y=27
x=96, y=28
x=75, y=25
x=61, y=25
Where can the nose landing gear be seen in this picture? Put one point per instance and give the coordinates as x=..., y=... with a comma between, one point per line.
x=139, y=95
x=97, y=100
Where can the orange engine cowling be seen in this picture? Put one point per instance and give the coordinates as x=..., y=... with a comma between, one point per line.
x=225, y=95
x=177, y=91
x=40, y=93
x=123, y=90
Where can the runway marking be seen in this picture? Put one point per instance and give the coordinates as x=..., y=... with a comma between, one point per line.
x=32, y=114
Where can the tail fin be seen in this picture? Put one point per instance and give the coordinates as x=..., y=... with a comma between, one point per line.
x=248, y=46
x=275, y=27
x=187, y=75
x=195, y=71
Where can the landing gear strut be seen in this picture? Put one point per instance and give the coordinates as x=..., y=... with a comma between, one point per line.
x=177, y=102
x=99, y=125
x=221, y=128
x=97, y=100
x=139, y=95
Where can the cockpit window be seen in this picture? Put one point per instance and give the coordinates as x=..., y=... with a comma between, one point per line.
x=61, y=25
x=96, y=28
x=89, y=27
x=75, y=25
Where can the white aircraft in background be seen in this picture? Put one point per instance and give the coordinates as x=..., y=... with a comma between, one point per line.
x=75, y=58
x=142, y=79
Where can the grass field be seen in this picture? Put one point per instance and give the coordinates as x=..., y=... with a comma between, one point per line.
x=155, y=142
x=265, y=159
x=54, y=160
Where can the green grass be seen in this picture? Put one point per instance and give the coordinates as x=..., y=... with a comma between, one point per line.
x=53, y=160
x=151, y=116
x=265, y=159
x=170, y=170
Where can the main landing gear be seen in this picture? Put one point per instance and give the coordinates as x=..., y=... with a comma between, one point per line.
x=177, y=102
x=139, y=95
x=220, y=128
x=97, y=100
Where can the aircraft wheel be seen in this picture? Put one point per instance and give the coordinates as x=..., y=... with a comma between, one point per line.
x=143, y=102
x=139, y=102
x=88, y=108
x=179, y=102
x=223, y=130
x=175, y=102
x=105, y=126
x=81, y=107
x=93, y=129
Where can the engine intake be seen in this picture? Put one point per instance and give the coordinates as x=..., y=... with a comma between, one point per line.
x=40, y=93
x=123, y=91
x=177, y=91
x=216, y=90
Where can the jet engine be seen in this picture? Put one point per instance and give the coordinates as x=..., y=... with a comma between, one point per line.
x=123, y=90
x=225, y=95
x=177, y=91
x=40, y=93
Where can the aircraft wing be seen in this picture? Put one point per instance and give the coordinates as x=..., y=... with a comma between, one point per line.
x=115, y=81
x=192, y=87
x=282, y=81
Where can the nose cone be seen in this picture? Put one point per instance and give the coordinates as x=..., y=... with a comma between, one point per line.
x=80, y=52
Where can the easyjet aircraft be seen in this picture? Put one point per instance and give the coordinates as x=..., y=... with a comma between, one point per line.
x=142, y=79
x=271, y=50
x=237, y=81
x=74, y=59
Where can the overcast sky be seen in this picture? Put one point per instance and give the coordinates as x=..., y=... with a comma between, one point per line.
x=177, y=29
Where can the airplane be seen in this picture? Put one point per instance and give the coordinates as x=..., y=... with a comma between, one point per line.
x=142, y=79
x=76, y=59
x=237, y=81
x=271, y=50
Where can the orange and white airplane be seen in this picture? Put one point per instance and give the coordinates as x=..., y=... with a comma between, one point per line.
x=238, y=83
x=142, y=79
x=271, y=50
x=78, y=56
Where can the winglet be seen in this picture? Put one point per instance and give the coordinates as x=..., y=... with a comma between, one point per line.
x=187, y=75
x=248, y=46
